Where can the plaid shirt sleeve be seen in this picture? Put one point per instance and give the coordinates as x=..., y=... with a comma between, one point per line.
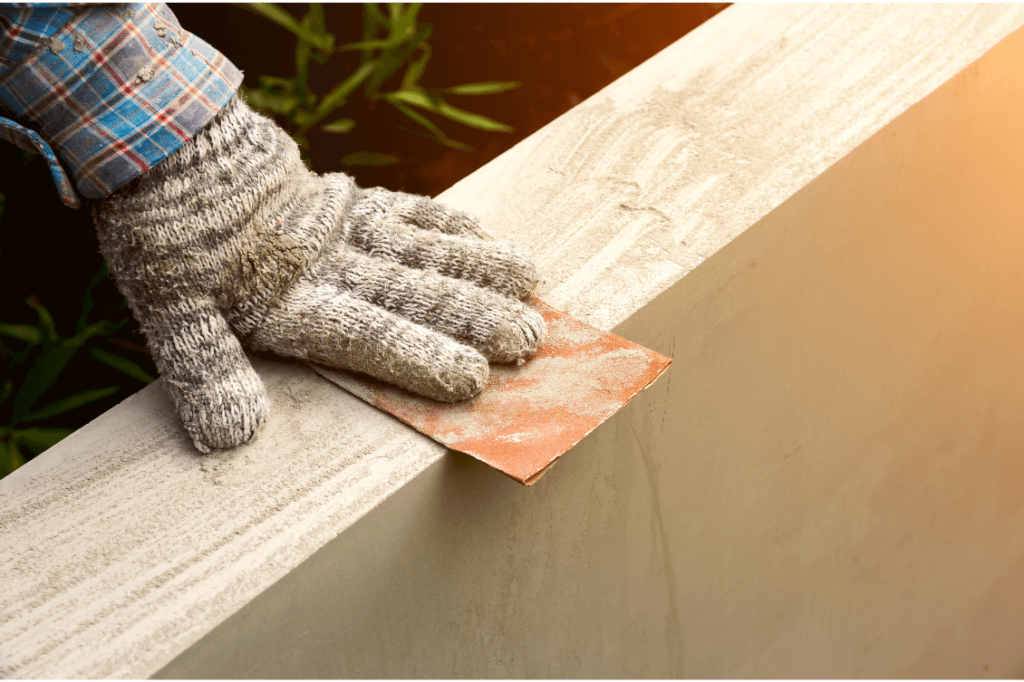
x=111, y=90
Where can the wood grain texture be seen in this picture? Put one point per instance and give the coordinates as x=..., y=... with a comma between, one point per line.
x=626, y=193
x=826, y=485
x=122, y=546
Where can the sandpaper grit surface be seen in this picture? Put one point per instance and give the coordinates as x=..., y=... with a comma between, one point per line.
x=528, y=415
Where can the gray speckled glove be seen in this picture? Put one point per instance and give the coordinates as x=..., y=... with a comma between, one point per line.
x=231, y=241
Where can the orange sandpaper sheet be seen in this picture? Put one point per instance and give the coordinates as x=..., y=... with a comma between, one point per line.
x=528, y=415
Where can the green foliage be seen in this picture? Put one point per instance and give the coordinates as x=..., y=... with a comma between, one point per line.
x=394, y=42
x=43, y=355
x=123, y=365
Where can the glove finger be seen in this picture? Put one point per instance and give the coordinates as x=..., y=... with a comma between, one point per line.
x=501, y=328
x=316, y=322
x=422, y=212
x=501, y=266
x=218, y=395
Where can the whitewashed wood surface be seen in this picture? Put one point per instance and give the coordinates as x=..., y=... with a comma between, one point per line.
x=632, y=189
x=122, y=546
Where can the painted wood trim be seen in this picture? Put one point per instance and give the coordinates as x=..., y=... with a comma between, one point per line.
x=121, y=547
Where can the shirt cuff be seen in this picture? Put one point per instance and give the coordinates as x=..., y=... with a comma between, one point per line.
x=114, y=92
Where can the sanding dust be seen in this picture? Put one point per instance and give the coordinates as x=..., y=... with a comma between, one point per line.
x=564, y=332
x=529, y=415
x=573, y=387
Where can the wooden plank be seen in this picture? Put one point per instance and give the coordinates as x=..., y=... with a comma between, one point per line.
x=626, y=193
x=826, y=484
x=122, y=547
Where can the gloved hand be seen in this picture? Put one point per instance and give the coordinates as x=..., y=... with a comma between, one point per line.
x=231, y=241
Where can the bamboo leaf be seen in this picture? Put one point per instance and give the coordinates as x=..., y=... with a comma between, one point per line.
x=472, y=120
x=304, y=119
x=45, y=320
x=342, y=125
x=39, y=439
x=71, y=402
x=369, y=159
x=416, y=69
x=447, y=142
x=392, y=60
x=484, y=88
x=10, y=457
x=336, y=97
x=319, y=28
x=438, y=134
x=373, y=17
x=417, y=117
x=370, y=44
x=101, y=328
x=57, y=352
x=285, y=84
x=123, y=365
x=270, y=101
x=316, y=18
x=302, y=52
x=40, y=377
x=22, y=332
x=87, y=299
x=416, y=98
x=5, y=391
x=373, y=21
x=279, y=16
x=405, y=25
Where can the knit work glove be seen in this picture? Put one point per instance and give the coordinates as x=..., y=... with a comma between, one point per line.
x=231, y=241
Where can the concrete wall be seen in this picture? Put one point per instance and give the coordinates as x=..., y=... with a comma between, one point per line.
x=826, y=484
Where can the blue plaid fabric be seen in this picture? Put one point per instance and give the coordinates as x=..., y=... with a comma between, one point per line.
x=114, y=89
